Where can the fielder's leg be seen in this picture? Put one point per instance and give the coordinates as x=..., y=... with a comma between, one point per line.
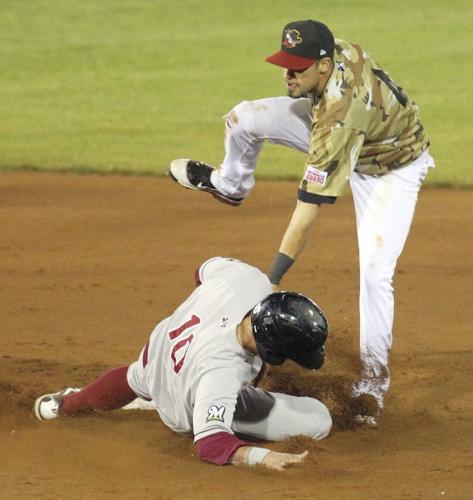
x=279, y=120
x=276, y=416
x=384, y=209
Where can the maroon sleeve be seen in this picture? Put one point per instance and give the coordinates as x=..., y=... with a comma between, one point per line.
x=197, y=277
x=218, y=448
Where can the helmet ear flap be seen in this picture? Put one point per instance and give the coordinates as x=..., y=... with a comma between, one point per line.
x=318, y=358
x=270, y=356
x=265, y=334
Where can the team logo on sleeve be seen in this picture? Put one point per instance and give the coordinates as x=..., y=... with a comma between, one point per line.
x=291, y=38
x=215, y=413
x=315, y=176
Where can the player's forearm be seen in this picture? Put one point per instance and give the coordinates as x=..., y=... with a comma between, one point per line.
x=299, y=229
x=253, y=455
x=240, y=456
x=249, y=455
x=294, y=240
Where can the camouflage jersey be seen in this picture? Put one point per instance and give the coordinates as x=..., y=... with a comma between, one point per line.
x=363, y=122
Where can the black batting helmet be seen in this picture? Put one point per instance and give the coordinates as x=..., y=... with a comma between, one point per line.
x=288, y=325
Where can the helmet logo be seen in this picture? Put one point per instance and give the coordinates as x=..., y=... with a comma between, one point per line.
x=291, y=38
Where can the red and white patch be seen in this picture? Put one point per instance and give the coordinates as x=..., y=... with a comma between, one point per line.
x=315, y=176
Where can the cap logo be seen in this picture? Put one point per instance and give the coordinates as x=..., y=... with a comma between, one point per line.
x=291, y=38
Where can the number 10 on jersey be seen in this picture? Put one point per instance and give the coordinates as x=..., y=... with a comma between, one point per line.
x=180, y=348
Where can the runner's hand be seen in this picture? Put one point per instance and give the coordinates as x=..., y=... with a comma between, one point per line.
x=278, y=461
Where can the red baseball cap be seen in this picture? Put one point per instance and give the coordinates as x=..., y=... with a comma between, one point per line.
x=303, y=43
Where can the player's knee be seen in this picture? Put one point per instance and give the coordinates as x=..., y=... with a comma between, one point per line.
x=319, y=424
x=247, y=117
x=322, y=424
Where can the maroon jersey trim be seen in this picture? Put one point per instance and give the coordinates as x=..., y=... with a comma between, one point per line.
x=218, y=448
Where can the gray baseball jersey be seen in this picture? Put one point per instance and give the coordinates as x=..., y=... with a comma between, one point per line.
x=194, y=367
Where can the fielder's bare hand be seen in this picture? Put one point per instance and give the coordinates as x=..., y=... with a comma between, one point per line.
x=278, y=461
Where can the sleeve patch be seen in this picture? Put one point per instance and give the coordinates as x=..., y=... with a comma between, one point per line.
x=215, y=414
x=315, y=176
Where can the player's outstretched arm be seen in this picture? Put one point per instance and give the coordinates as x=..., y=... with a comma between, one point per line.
x=299, y=228
x=252, y=455
x=279, y=461
x=294, y=240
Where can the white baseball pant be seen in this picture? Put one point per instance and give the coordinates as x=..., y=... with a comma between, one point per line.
x=384, y=207
x=275, y=416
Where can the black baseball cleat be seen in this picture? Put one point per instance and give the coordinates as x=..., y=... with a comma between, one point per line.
x=196, y=175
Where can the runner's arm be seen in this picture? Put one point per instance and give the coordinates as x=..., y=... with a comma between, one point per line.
x=252, y=455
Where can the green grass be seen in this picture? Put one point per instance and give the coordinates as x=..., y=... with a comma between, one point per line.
x=129, y=85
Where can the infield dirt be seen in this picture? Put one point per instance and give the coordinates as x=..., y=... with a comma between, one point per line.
x=89, y=265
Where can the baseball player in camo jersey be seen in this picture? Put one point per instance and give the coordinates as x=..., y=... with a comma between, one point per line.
x=201, y=366
x=357, y=127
